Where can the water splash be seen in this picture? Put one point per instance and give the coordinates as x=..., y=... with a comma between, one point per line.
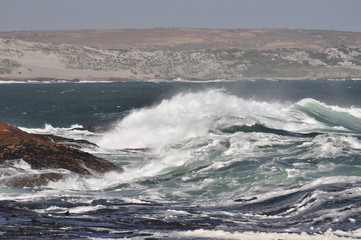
x=185, y=116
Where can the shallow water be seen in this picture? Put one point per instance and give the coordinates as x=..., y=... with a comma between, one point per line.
x=250, y=159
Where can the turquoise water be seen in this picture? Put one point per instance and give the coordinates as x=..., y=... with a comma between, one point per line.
x=228, y=158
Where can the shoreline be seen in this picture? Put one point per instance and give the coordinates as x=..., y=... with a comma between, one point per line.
x=4, y=80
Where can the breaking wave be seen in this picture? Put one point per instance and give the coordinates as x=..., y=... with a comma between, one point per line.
x=197, y=138
x=203, y=114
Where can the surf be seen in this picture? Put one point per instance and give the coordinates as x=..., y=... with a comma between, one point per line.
x=195, y=159
x=212, y=132
x=199, y=114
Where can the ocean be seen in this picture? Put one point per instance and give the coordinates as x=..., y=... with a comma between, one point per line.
x=202, y=160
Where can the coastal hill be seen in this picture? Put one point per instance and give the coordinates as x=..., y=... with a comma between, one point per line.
x=163, y=53
x=189, y=39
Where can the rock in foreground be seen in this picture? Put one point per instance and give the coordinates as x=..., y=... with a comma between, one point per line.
x=43, y=154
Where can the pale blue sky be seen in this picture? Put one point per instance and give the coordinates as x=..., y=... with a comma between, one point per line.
x=128, y=14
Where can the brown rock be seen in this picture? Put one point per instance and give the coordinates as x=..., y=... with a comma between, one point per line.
x=40, y=153
x=66, y=141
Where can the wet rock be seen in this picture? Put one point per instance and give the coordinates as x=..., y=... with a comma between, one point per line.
x=95, y=129
x=66, y=141
x=245, y=200
x=41, y=153
x=35, y=221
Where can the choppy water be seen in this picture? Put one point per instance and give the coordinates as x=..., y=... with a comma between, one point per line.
x=225, y=160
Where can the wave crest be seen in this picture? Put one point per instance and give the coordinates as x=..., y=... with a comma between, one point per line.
x=185, y=116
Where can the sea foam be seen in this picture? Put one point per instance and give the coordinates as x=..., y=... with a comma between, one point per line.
x=182, y=117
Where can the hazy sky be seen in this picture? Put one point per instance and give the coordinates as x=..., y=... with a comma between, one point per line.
x=126, y=14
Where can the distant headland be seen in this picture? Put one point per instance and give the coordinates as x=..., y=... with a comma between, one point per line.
x=186, y=53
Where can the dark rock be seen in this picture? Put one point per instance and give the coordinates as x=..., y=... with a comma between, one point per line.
x=41, y=153
x=95, y=129
x=245, y=200
x=35, y=221
x=66, y=141
x=20, y=232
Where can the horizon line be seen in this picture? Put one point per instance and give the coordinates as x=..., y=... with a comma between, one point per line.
x=179, y=28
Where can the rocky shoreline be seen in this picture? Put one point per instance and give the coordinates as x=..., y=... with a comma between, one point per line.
x=42, y=153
